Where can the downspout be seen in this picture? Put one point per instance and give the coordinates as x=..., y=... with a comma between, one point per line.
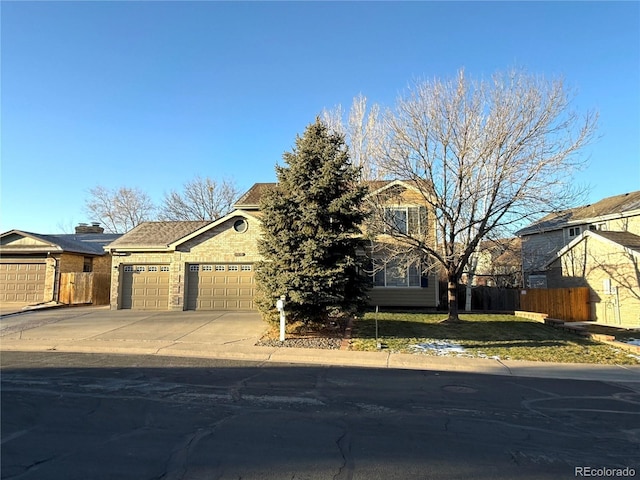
x=618, y=305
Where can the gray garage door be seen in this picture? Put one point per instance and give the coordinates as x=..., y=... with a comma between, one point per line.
x=22, y=282
x=220, y=287
x=145, y=287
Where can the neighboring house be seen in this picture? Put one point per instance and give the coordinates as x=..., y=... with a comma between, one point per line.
x=210, y=265
x=542, y=240
x=609, y=264
x=498, y=263
x=31, y=263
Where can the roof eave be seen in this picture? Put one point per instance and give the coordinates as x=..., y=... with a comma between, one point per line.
x=138, y=248
x=581, y=221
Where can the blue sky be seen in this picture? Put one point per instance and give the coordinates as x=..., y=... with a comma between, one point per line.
x=149, y=94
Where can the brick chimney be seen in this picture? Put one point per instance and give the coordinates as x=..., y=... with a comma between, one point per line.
x=93, y=228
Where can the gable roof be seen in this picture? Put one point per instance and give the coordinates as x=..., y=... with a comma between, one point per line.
x=623, y=240
x=250, y=200
x=150, y=235
x=83, y=243
x=619, y=205
x=166, y=236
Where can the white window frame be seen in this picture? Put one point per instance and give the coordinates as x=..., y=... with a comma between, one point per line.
x=128, y=268
x=220, y=268
x=233, y=268
x=140, y=268
x=207, y=268
x=391, y=226
x=407, y=227
x=413, y=279
x=164, y=268
x=245, y=268
x=574, y=232
x=152, y=268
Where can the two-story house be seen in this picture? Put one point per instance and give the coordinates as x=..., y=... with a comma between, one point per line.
x=498, y=263
x=542, y=240
x=597, y=246
x=210, y=265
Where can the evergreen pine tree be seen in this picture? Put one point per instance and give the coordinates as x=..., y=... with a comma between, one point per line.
x=311, y=225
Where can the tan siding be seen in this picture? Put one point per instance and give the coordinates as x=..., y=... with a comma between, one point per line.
x=591, y=262
x=405, y=297
x=628, y=224
x=17, y=240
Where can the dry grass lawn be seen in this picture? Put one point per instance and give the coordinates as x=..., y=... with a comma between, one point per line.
x=481, y=335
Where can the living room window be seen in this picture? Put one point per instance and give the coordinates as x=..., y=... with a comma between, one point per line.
x=394, y=274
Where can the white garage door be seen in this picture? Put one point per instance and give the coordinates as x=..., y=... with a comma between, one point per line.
x=145, y=287
x=220, y=287
x=22, y=282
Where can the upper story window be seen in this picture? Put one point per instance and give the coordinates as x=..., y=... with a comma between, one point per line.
x=573, y=232
x=406, y=220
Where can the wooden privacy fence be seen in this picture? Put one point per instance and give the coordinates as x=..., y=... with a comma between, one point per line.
x=77, y=288
x=568, y=304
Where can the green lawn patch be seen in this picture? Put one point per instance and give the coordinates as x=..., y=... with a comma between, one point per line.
x=480, y=336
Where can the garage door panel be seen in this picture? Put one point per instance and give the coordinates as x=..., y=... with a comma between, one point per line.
x=220, y=287
x=145, y=287
x=22, y=282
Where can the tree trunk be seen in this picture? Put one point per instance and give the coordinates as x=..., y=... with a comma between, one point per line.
x=452, y=297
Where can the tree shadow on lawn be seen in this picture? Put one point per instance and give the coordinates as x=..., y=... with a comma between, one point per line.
x=518, y=333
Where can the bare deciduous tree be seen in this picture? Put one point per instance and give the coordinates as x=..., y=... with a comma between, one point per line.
x=362, y=132
x=200, y=199
x=485, y=156
x=119, y=210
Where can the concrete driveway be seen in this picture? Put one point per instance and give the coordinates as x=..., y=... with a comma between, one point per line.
x=130, y=330
x=8, y=308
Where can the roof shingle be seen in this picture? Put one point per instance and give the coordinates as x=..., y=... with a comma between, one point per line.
x=608, y=206
x=158, y=234
x=626, y=239
x=83, y=243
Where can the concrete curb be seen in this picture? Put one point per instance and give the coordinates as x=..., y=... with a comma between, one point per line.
x=338, y=358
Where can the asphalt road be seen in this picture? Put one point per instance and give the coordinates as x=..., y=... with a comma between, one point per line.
x=88, y=416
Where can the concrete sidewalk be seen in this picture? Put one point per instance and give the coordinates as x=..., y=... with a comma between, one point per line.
x=232, y=336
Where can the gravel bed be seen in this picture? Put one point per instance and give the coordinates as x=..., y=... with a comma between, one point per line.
x=302, y=342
